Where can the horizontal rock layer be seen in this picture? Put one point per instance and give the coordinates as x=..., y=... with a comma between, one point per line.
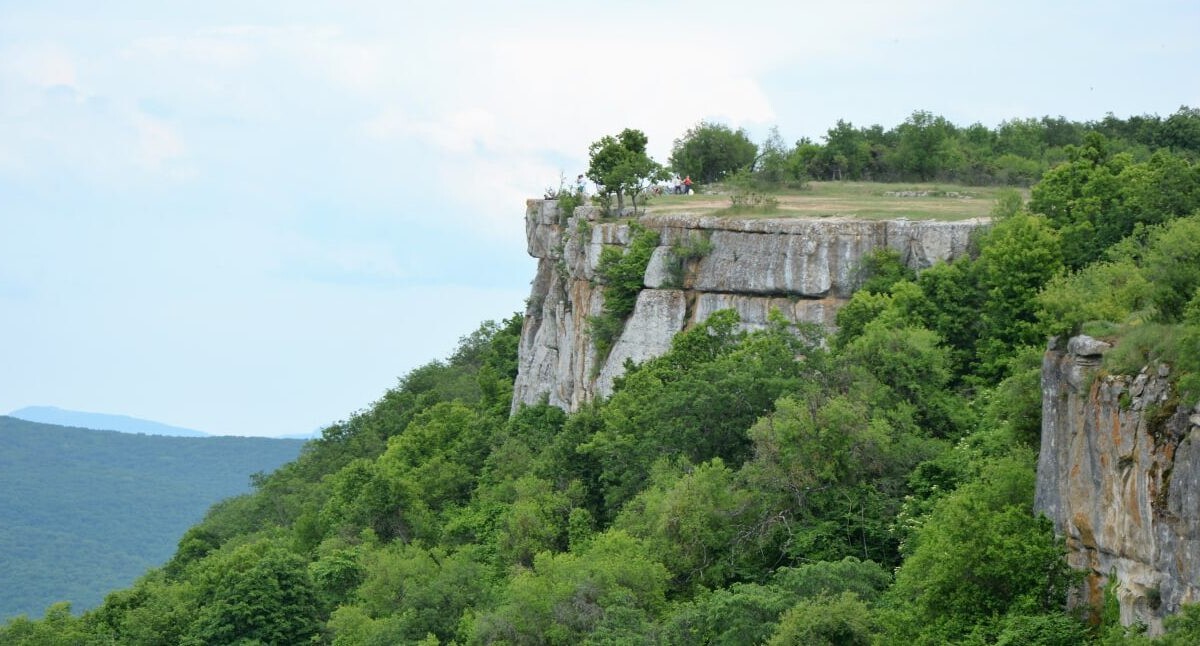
x=1119, y=474
x=804, y=267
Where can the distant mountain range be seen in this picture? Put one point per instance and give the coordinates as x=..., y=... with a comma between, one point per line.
x=84, y=512
x=101, y=421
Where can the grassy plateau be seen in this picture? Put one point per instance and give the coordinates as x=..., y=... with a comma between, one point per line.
x=859, y=200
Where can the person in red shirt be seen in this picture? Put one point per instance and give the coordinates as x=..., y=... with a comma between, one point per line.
x=687, y=185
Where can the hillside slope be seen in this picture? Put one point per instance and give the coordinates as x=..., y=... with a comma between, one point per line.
x=84, y=511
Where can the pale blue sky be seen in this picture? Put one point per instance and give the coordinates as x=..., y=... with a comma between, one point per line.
x=253, y=219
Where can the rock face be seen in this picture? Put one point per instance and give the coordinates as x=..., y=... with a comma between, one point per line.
x=804, y=267
x=1119, y=474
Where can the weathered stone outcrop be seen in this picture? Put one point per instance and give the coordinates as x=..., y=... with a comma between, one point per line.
x=1119, y=474
x=804, y=267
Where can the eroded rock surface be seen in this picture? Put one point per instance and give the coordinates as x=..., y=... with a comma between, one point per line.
x=1119, y=474
x=804, y=267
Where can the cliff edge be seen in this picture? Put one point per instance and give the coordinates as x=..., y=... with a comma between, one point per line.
x=804, y=267
x=1119, y=474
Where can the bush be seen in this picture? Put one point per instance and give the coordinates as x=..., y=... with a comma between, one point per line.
x=1172, y=266
x=981, y=554
x=1175, y=345
x=683, y=252
x=883, y=268
x=1105, y=291
x=842, y=621
x=745, y=194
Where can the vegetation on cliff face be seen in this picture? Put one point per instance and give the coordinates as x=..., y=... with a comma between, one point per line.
x=742, y=488
x=622, y=272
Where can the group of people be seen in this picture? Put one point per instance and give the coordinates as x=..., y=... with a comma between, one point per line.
x=683, y=186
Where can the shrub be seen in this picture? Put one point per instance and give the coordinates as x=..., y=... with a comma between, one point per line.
x=624, y=276
x=683, y=252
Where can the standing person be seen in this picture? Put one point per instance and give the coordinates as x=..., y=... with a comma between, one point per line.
x=687, y=185
x=580, y=185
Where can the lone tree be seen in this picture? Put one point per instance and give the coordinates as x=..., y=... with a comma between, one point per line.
x=620, y=165
x=710, y=151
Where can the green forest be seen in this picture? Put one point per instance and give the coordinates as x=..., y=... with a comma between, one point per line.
x=925, y=147
x=84, y=511
x=780, y=486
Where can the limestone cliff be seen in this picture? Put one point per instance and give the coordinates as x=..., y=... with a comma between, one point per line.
x=1119, y=474
x=804, y=267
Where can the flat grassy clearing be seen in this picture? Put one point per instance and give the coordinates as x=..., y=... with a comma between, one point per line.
x=859, y=200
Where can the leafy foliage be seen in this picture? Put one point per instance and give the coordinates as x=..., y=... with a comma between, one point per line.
x=883, y=268
x=260, y=592
x=925, y=146
x=610, y=584
x=708, y=152
x=1172, y=267
x=1103, y=291
x=981, y=554
x=746, y=195
x=619, y=165
x=1099, y=197
x=623, y=275
x=1020, y=255
x=1017, y=152
x=694, y=402
x=689, y=520
x=827, y=620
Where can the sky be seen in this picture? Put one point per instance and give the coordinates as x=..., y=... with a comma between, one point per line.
x=253, y=218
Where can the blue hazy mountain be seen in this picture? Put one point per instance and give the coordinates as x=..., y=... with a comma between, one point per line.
x=84, y=512
x=101, y=421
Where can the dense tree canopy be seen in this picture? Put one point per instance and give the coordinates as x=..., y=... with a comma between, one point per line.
x=928, y=147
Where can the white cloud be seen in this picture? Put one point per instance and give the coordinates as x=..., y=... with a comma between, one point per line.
x=323, y=50
x=370, y=263
x=43, y=65
x=458, y=132
x=351, y=64
x=158, y=142
x=208, y=49
x=386, y=125
x=494, y=191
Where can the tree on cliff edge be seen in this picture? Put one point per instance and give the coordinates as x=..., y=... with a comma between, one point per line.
x=620, y=165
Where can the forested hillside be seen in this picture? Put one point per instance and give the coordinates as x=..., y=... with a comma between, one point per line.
x=83, y=511
x=772, y=487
